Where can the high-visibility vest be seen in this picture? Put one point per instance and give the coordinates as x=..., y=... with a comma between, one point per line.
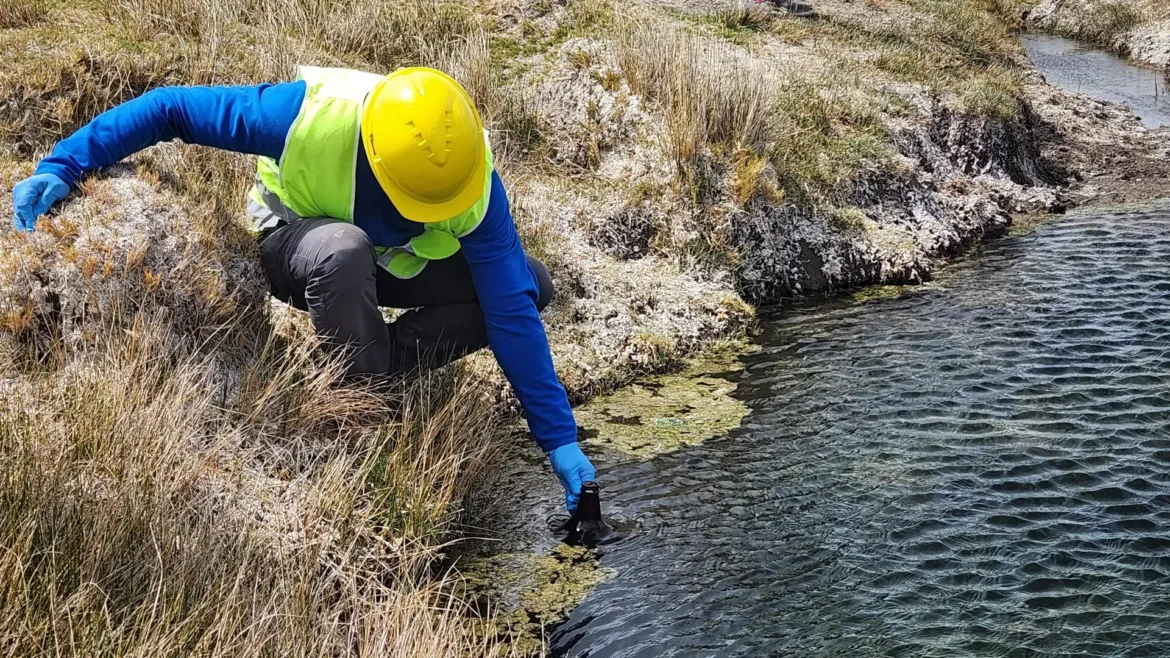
x=317, y=172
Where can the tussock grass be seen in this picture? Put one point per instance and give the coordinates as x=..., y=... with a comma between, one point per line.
x=709, y=95
x=178, y=476
x=811, y=131
x=1106, y=20
x=745, y=15
x=141, y=516
x=22, y=13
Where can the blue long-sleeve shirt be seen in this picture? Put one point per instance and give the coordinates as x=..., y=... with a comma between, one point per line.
x=257, y=120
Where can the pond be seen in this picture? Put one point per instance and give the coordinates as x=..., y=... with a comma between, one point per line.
x=1076, y=67
x=979, y=467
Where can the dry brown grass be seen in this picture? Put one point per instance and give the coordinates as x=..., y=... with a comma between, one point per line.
x=22, y=13
x=813, y=130
x=710, y=95
x=142, y=516
x=177, y=476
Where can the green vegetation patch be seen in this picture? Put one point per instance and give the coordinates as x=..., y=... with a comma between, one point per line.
x=875, y=293
x=664, y=413
x=1101, y=22
x=535, y=592
x=962, y=47
x=1027, y=224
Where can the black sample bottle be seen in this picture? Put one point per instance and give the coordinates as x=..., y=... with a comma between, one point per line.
x=586, y=526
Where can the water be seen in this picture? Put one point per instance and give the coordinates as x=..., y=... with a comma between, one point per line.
x=1076, y=67
x=979, y=468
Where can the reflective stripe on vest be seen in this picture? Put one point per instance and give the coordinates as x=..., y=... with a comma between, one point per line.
x=316, y=175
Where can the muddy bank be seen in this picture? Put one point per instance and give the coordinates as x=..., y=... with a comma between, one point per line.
x=1110, y=157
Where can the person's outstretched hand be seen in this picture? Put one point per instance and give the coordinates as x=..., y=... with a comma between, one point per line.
x=572, y=468
x=33, y=196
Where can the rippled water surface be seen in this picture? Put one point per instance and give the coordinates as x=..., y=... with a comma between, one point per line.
x=977, y=468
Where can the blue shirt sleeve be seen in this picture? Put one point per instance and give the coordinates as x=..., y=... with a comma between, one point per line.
x=253, y=119
x=507, y=293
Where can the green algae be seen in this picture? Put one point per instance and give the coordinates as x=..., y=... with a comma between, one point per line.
x=526, y=593
x=1026, y=224
x=875, y=293
x=666, y=412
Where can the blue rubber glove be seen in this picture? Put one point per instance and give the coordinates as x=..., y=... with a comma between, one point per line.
x=32, y=197
x=572, y=468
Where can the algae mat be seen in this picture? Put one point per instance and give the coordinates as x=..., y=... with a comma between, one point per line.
x=530, y=593
x=664, y=413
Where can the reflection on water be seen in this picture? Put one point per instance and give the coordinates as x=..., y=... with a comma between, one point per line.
x=1076, y=67
x=974, y=469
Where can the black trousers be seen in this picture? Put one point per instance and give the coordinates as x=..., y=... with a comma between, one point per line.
x=329, y=269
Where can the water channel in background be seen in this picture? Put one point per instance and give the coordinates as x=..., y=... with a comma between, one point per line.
x=980, y=467
x=1076, y=67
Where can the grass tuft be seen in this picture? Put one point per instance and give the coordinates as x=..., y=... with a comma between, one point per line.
x=1105, y=21
x=23, y=13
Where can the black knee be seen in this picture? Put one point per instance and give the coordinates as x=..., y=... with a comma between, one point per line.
x=346, y=254
x=544, y=284
x=313, y=255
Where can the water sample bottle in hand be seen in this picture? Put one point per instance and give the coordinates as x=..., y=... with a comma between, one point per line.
x=586, y=525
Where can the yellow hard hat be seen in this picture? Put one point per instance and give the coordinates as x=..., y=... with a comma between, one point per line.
x=425, y=143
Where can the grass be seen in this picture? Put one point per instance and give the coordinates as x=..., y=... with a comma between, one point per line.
x=178, y=474
x=23, y=13
x=739, y=24
x=709, y=96
x=145, y=529
x=963, y=48
x=1103, y=22
x=812, y=132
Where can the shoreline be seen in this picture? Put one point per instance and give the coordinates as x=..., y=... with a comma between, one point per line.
x=1064, y=151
